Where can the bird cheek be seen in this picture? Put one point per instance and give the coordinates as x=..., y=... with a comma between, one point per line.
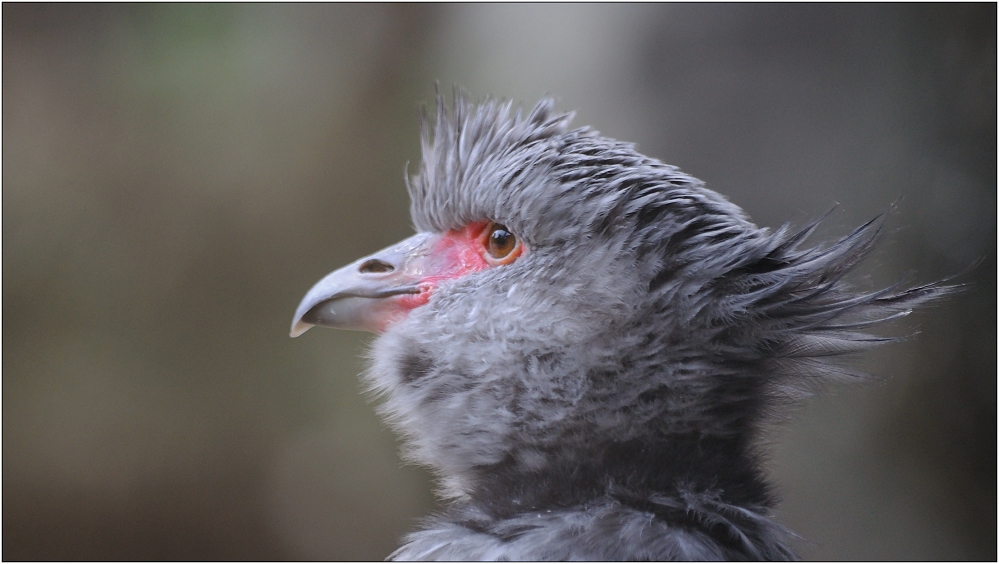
x=460, y=251
x=454, y=255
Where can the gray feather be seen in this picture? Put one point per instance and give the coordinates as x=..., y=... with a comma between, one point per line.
x=603, y=396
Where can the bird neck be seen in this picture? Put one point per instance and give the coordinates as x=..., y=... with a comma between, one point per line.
x=630, y=473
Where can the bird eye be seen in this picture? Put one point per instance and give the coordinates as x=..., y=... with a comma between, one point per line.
x=501, y=245
x=501, y=241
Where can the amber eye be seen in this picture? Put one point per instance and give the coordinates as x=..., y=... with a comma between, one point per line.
x=501, y=242
x=502, y=247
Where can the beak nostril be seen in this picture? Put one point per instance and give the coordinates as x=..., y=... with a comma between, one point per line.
x=375, y=266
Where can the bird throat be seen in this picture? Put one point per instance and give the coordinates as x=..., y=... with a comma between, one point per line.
x=630, y=473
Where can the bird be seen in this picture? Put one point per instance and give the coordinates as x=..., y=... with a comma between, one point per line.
x=587, y=346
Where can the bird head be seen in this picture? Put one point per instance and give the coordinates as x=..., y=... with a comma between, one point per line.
x=573, y=315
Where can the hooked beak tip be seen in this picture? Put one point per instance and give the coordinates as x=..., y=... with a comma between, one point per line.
x=299, y=327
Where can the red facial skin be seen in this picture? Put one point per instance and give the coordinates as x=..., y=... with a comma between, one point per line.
x=455, y=254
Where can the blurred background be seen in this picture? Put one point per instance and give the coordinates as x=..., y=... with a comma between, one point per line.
x=175, y=177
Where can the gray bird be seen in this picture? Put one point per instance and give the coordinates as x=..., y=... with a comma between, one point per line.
x=585, y=345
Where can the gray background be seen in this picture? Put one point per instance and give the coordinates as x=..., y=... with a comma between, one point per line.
x=175, y=177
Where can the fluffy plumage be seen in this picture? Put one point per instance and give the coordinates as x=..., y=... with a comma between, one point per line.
x=602, y=397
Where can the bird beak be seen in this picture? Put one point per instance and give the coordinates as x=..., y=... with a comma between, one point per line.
x=372, y=292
